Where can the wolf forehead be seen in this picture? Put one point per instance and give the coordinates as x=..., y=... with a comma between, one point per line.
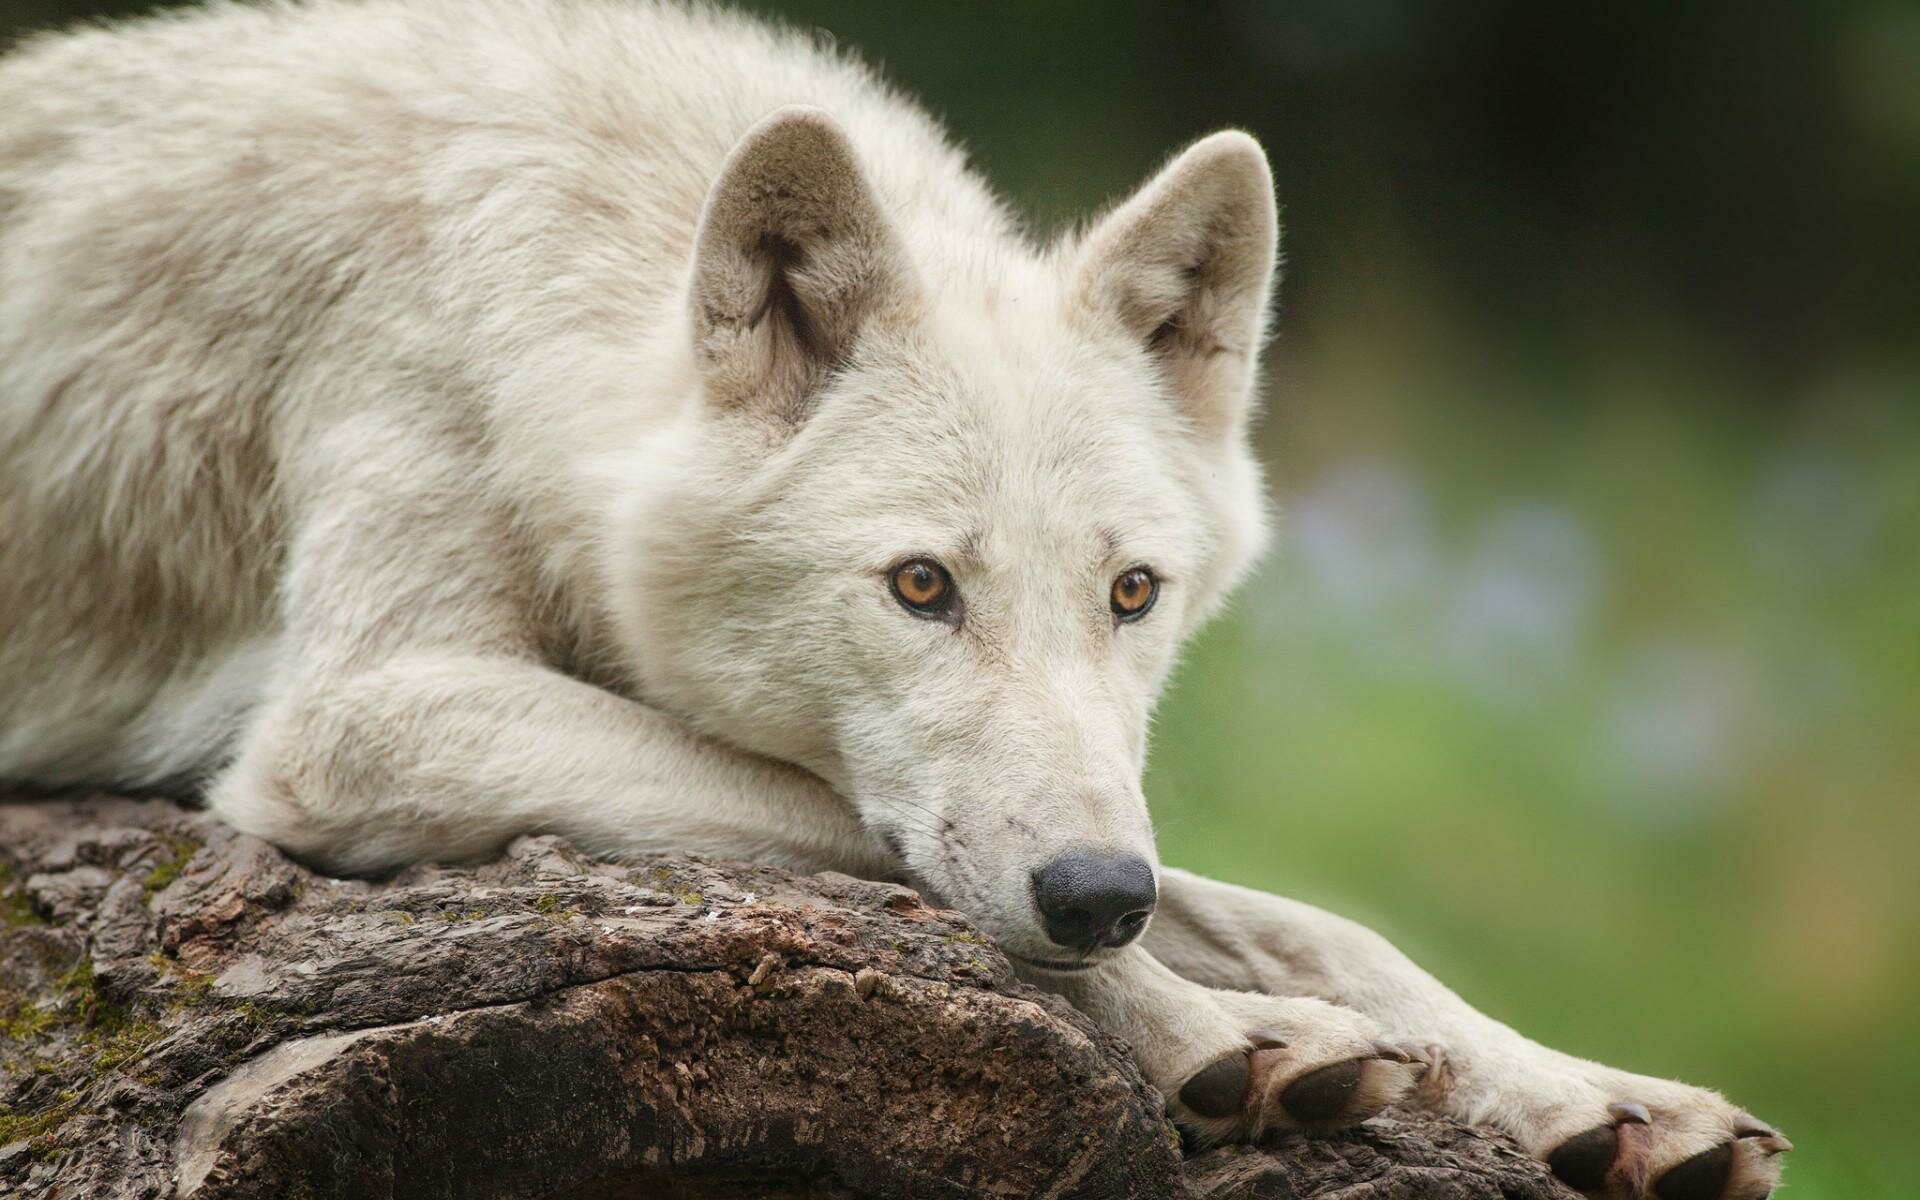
x=980, y=447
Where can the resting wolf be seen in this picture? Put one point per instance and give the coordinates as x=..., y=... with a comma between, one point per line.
x=427, y=422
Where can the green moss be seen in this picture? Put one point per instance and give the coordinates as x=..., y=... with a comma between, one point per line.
x=193, y=984
x=196, y=984
x=967, y=937
x=693, y=898
x=124, y=1044
x=16, y=909
x=179, y=851
x=16, y=1127
x=28, y=1021
x=79, y=979
x=548, y=904
x=29, y=1126
x=104, y=1017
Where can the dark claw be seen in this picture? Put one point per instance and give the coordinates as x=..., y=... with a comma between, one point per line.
x=1582, y=1161
x=1702, y=1177
x=1322, y=1095
x=1219, y=1090
x=1629, y=1113
x=1751, y=1127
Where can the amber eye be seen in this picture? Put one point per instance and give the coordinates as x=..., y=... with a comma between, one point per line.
x=1133, y=593
x=923, y=586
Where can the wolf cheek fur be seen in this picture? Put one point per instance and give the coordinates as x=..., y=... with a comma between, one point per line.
x=423, y=423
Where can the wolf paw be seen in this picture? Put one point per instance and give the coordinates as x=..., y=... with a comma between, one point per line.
x=1669, y=1153
x=1302, y=1065
x=1631, y=1137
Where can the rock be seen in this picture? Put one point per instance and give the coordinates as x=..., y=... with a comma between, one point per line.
x=187, y=1013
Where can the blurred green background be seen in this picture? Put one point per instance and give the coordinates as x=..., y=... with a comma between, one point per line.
x=1587, y=664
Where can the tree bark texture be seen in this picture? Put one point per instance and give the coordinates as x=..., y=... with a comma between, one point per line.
x=187, y=1013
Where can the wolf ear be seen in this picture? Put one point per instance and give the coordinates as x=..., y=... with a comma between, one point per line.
x=792, y=257
x=1185, y=266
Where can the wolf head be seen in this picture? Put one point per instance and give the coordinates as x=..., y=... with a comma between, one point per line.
x=946, y=509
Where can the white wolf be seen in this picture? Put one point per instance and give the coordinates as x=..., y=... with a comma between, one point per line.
x=424, y=422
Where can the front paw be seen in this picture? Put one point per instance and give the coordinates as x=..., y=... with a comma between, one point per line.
x=1637, y=1137
x=1291, y=1064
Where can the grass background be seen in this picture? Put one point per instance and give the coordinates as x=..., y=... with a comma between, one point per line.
x=1587, y=664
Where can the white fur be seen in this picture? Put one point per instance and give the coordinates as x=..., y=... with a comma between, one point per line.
x=427, y=422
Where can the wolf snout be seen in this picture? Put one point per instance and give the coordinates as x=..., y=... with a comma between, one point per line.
x=1089, y=899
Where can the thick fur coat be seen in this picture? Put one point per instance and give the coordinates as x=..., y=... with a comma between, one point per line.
x=427, y=422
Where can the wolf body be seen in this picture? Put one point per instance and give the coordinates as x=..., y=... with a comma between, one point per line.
x=424, y=423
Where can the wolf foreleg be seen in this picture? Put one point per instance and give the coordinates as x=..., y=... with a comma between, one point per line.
x=1605, y=1131
x=436, y=755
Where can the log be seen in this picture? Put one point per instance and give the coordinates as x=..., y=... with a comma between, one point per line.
x=188, y=1013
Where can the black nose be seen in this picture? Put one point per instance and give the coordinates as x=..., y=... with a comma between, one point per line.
x=1088, y=899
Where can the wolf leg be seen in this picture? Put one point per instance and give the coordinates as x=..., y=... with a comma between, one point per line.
x=447, y=756
x=1607, y=1132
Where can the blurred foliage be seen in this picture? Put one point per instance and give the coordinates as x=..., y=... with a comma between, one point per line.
x=1587, y=665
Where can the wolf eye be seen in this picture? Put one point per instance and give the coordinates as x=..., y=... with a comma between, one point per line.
x=923, y=587
x=1134, y=592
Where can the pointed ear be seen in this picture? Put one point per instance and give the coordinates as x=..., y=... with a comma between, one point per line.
x=792, y=258
x=1186, y=266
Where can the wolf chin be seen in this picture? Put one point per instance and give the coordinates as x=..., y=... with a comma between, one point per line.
x=425, y=423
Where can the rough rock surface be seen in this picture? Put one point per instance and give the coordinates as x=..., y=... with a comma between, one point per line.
x=186, y=1013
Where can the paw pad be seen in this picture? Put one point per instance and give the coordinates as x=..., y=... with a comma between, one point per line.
x=1322, y=1095
x=1582, y=1161
x=1219, y=1090
x=1702, y=1177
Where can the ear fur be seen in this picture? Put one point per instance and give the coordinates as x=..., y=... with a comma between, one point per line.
x=1186, y=265
x=792, y=258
